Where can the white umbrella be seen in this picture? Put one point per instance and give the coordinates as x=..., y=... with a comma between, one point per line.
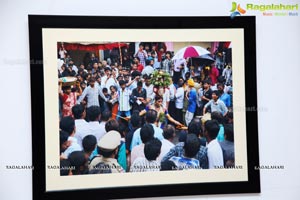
x=190, y=52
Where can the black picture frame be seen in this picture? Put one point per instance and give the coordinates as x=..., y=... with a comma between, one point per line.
x=38, y=22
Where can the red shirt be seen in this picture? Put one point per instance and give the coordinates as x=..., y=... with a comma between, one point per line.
x=140, y=68
x=214, y=75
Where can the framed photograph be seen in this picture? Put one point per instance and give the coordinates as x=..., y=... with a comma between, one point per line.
x=96, y=82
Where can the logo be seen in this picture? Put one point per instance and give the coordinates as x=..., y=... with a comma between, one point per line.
x=236, y=10
x=265, y=9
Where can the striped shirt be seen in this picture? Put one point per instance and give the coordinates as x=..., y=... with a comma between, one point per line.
x=144, y=165
x=185, y=163
x=178, y=151
x=123, y=98
x=92, y=96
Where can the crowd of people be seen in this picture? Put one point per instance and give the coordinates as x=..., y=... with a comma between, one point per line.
x=113, y=119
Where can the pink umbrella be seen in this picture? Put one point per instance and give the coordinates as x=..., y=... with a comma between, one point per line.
x=190, y=52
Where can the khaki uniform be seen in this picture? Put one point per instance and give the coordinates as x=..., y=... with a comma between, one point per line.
x=113, y=164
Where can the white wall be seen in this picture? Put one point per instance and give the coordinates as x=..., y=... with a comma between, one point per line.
x=278, y=69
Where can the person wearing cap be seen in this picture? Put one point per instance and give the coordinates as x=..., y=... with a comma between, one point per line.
x=192, y=102
x=108, y=149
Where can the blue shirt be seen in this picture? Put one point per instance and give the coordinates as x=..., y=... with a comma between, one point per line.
x=185, y=163
x=136, y=139
x=220, y=136
x=192, y=101
x=178, y=151
x=226, y=99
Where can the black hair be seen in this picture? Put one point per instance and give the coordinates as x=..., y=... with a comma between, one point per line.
x=212, y=127
x=229, y=115
x=218, y=117
x=123, y=129
x=195, y=127
x=169, y=131
x=105, y=115
x=135, y=74
x=140, y=84
x=148, y=62
x=207, y=81
x=169, y=52
x=63, y=137
x=67, y=124
x=78, y=110
x=220, y=84
x=228, y=132
x=78, y=162
x=122, y=82
x=151, y=116
x=158, y=97
x=167, y=165
x=216, y=92
x=191, y=145
x=187, y=74
x=104, y=90
x=138, y=58
x=107, y=69
x=112, y=125
x=145, y=76
x=152, y=149
x=106, y=154
x=89, y=143
x=65, y=166
x=221, y=79
x=180, y=83
x=135, y=119
x=92, y=79
x=147, y=133
x=67, y=87
x=113, y=86
x=93, y=112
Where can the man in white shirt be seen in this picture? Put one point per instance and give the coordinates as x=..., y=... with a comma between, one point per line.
x=108, y=79
x=147, y=134
x=214, y=150
x=149, y=163
x=67, y=126
x=169, y=135
x=149, y=89
x=95, y=129
x=82, y=126
x=179, y=95
x=151, y=118
x=166, y=98
x=149, y=68
x=105, y=116
x=171, y=107
x=62, y=52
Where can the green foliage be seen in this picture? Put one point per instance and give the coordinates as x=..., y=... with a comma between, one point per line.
x=161, y=78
